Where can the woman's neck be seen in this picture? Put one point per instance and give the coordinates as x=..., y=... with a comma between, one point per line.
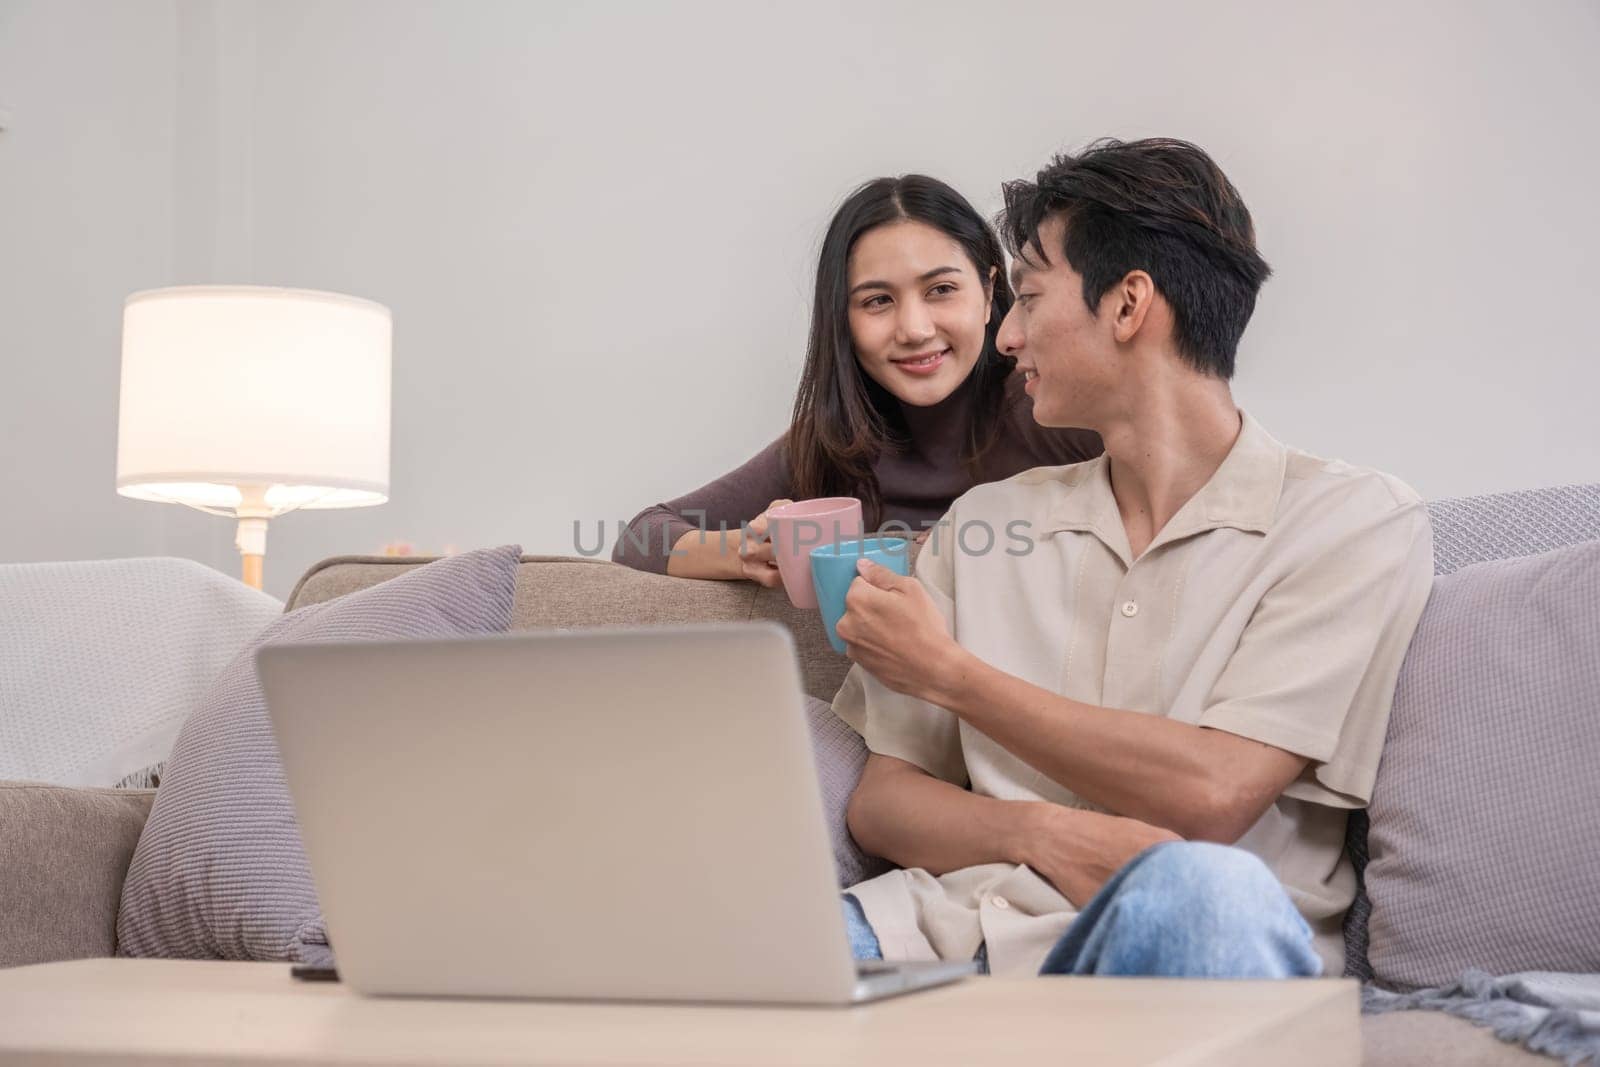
x=941, y=430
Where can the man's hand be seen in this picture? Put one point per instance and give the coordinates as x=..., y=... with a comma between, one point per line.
x=1078, y=851
x=893, y=629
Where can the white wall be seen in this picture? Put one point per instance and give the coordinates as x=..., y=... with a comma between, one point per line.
x=87, y=214
x=596, y=224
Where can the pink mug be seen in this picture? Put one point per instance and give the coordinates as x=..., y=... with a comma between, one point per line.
x=795, y=529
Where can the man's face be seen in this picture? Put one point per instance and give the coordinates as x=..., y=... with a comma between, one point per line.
x=1066, y=352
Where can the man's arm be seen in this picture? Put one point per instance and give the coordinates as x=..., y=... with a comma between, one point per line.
x=1201, y=782
x=902, y=813
x=909, y=817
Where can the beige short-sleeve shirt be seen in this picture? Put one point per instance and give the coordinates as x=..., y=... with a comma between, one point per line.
x=1277, y=604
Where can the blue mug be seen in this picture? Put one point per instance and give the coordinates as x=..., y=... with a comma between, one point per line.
x=833, y=568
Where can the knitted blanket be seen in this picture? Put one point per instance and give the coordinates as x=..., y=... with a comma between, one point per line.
x=101, y=661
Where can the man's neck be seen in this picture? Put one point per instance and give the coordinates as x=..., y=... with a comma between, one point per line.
x=1164, y=446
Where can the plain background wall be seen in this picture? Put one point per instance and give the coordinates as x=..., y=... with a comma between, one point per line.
x=596, y=225
x=86, y=215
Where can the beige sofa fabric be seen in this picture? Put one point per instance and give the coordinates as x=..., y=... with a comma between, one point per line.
x=1434, y=1039
x=559, y=591
x=64, y=852
x=63, y=855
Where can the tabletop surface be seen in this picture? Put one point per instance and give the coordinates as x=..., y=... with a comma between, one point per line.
x=120, y=1010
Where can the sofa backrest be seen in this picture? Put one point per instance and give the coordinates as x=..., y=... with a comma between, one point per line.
x=1526, y=522
x=570, y=592
x=567, y=592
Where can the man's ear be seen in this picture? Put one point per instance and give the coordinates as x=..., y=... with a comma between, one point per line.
x=1133, y=297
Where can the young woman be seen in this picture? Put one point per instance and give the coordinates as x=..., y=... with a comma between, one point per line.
x=904, y=401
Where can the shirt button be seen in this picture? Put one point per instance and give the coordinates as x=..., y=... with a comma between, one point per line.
x=1130, y=608
x=1000, y=902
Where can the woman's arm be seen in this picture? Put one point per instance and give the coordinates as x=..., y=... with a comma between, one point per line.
x=711, y=555
x=684, y=537
x=728, y=555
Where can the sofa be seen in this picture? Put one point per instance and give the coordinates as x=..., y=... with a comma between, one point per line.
x=64, y=852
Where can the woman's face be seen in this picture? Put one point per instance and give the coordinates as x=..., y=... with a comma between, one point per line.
x=917, y=310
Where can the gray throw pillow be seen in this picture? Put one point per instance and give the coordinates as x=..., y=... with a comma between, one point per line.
x=219, y=871
x=1483, y=851
x=840, y=755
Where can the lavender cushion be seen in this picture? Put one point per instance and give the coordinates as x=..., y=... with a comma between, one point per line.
x=1467, y=530
x=1483, y=852
x=219, y=871
x=840, y=755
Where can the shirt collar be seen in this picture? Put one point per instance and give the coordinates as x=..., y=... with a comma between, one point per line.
x=1242, y=493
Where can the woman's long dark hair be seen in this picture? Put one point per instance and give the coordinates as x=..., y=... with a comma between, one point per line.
x=842, y=418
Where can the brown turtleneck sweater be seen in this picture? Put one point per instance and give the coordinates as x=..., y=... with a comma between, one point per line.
x=917, y=481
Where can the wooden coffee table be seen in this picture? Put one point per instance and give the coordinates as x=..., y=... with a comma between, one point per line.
x=150, y=1011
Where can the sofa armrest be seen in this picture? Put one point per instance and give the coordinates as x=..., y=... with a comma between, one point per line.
x=63, y=855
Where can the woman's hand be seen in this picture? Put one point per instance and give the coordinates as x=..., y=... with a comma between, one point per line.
x=755, y=551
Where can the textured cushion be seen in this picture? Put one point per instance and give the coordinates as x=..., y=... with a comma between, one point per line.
x=840, y=754
x=63, y=853
x=561, y=591
x=1482, y=844
x=1467, y=530
x=219, y=871
x=1476, y=529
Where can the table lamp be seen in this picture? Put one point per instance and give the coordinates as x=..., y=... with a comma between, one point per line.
x=250, y=402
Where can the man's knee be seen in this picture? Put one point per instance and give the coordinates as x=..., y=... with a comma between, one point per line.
x=1198, y=910
x=1197, y=883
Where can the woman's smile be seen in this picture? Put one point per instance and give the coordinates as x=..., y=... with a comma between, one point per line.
x=923, y=363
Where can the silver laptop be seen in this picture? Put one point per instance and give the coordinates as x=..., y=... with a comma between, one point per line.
x=619, y=814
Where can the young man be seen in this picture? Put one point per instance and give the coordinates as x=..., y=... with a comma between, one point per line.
x=1120, y=715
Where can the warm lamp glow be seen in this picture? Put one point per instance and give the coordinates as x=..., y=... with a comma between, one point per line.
x=254, y=401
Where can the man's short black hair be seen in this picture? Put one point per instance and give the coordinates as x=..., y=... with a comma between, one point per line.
x=1161, y=206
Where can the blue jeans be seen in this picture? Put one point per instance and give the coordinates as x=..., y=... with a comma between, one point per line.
x=1183, y=909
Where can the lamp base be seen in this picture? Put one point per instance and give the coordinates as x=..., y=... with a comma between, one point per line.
x=253, y=570
x=252, y=543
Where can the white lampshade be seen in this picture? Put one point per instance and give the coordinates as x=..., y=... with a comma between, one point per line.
x=237, y=394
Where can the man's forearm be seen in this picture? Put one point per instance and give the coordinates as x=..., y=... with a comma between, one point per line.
x=915, y=820
x=1147, y=767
